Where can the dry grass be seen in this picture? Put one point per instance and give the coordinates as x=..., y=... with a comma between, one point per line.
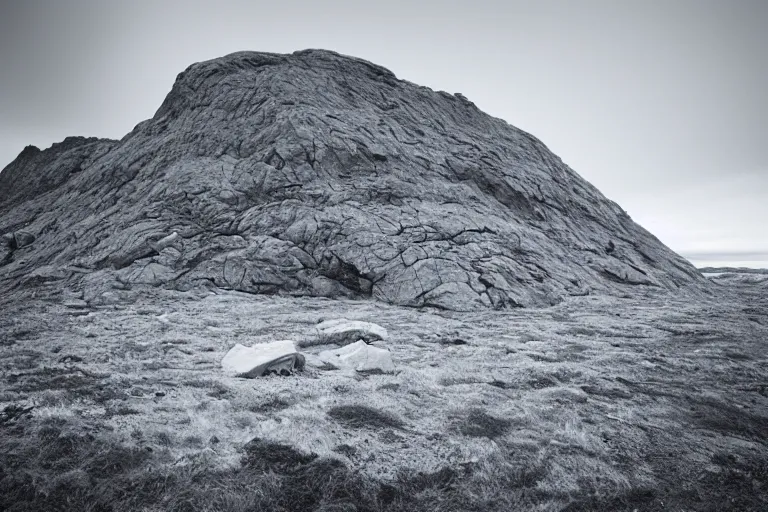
x=573, y=408
x=478, y=423
x=361, y=416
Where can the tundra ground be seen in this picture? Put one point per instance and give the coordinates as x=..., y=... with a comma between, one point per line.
x=598, y=403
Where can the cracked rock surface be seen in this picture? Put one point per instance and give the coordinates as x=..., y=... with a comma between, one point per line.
x=324, y=175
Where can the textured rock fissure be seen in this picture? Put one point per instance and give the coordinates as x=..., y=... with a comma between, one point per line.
x=320, y=174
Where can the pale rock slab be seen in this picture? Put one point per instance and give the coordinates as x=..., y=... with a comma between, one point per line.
x=343, y=332
x=278, y=356
x=361, y=357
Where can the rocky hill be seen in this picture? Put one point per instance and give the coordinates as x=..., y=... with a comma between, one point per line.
x=320, y=174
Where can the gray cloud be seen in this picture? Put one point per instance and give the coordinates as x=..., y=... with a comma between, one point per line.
x=660, y=104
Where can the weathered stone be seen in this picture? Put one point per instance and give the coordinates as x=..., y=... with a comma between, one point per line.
x=319, y=174
x=18, y=239
x=75, y=304
x=22, y=239
x=278, y=357
x=165, y=242
x=360, y=356
x=343, y=332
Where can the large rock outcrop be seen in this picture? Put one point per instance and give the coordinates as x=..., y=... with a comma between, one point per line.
x=315, y=173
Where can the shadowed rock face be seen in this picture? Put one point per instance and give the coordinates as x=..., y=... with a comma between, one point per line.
x=320, y=174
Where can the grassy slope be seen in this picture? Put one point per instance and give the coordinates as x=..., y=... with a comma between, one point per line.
x=595, y=404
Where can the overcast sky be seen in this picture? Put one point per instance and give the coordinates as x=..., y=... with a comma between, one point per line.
x=663, y=105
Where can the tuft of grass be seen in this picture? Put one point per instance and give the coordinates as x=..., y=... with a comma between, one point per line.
x=274, y=404
x=345, y=450
x=120, y=411
x=50, y=378
x=269, y=455
x=21, y=334
x=723, y=417
x=543, y=358
x=606, y=391
x=561, y=316
x=456, y=380
x=193, y=442
x=372, y=371
x=479, y=423
x=164, y=439
x=14, y=412
x=220, y=391
x=70, y=359
x=201, y=383
x=500, y=384
x=115, y=460
x=452, y=340
x=583, y=331
x=734, y=486
x=62, y=471
x=641, y=498
x=541, y=382
x=216, y=389
x=525, y=337
x=243, y=421
x=362, y=416
x=737, y=356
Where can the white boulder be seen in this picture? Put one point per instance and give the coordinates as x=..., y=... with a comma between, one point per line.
x=360, y=356
x=279, y=357
x=343, y=332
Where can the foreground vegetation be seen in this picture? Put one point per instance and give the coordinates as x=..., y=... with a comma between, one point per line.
x=642, y=403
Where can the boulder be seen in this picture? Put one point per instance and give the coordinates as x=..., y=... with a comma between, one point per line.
x=343, y=332
x=23, y=239
x=361, y=357
x=18, y=239
x=278, y=357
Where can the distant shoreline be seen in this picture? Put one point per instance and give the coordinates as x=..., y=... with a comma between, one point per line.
x=732, y=270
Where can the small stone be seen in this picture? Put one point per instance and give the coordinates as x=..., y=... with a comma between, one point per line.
x=71, y=359
x=21, y=239
x=453, y=341
x=75, y=304
x=343, y=332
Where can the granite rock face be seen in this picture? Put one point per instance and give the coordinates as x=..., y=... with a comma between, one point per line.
x=319, y=174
